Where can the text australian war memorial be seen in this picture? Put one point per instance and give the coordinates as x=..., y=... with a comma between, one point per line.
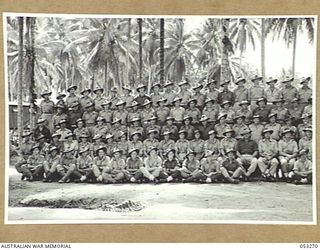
x=143, y=101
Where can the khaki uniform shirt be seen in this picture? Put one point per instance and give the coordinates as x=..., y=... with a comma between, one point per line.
x=240, y=94
x=211, y=113
x=276, y=127
x=289, y=93
x=256, y=131
x=46, y=107
x=155, y=162
x=272, y=94
x=288, y=147
x=101, y=163
x=84, y=162
x=71, y=99
x=268, y=147
x=177, y=113
x=182, y=146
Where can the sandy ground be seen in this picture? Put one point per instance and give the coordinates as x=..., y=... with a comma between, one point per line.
x=253, y=201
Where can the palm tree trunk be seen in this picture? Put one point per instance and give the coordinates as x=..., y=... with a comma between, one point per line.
x=20, y=82
x=263, y=60
x=225, y=54
x=294, y=49
x=140, y=48
x=161, y=51
x=106, y=77
x=127, y=55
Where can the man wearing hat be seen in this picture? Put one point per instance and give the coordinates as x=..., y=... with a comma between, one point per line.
x=193, y=111
x=170, y=164
x=288, y=91
x=134, y=111
x=106, y=112
x=169, y=126
x=50, y=164
x=99, y=99
x=305, y=92
x=280, y=110
x=221, y=125
x=240, y=92
x=152, y=168
x=182, y=145
x=262, y=110
x=60, y=97
x=41, y=129
x=120, y=112
x=197, y=95
x=113, y=97
x=150, y=142
x=244, y=109
x=239, y=125
x=110, y=145
x=302, y=170
x=100, y=127
x=247, y=152
x=44, y=146
x=268, y=150
x=188, y=127
x=72, y=98
x=127, y=97
x=84, y=164
x=228, y=141
x=142, y=96
x=256, y=91
x=211, y=110
x=205, y=127
x=98, y=142
x=288, y=149
x=67, y=166
x=71, y=144
x=189, y=169
x=177, y=112
x=162, y=112
x=166, y=143
x=306, y=141
x=272, y=93
x=225, y=94
x=212, y=144
x=85, y=98
x=134, y=163
x=80, y=129
x=115, y=170
x=75, y=113
x=83, y=142
x=184, y=93
x=212, y=90
x=231, y=168
x=136, y=126
x=136, y=143
x=31, y=166
x=155, y=94
x=169, y=92
x=100, y=163
x=63, y=131
x=256, y=128
x=197, y=145
x=89, y=117
x=152, y=125
x=274, y=126
x=59, y=115
x=308, y=109
x=227, y=109
x=295, y=111
x=123, y=144
x=147, y=113
x=47, y=108
x=56, y=142
x=210, y=167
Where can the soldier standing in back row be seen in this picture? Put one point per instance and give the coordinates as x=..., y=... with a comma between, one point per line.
x=226, y=94
x=271, y=92
x=256, y=91
x=72, y=96
x=240, y=93
x=47, y=109
x=288, y=92
x=304, y=93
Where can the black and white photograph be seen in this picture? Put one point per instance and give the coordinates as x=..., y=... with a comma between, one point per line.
x=160, y=119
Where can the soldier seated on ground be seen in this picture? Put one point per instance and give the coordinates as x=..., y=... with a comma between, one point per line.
x=134, y=163
x=152, y=168
x=50, y=165
x=170, y=164
x=231, y=168
x=190, y=167
x=115, y=170
x=210, y=167
x=31, y=166
x=100, y=163
x=302, y=170
x=67, y=166
x=84, y=164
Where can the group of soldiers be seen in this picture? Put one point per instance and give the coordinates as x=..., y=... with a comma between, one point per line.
x=204, y=133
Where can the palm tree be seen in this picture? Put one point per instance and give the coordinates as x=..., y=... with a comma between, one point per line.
x=20, y=73
x=287, y=29
x=140, y=48
x=243, y=32
x=227, y=49
x=180, y=50
x=161, y=51
x=263, y=58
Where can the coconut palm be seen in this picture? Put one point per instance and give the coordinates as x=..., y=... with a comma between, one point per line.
x=287, y=29
x=20, y=73
x=243, y=31
x=162, y=51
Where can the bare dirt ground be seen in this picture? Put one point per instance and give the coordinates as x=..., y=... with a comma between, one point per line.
x=253, y=201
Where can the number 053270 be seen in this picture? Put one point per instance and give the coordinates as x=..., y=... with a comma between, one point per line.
x=309, y=246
